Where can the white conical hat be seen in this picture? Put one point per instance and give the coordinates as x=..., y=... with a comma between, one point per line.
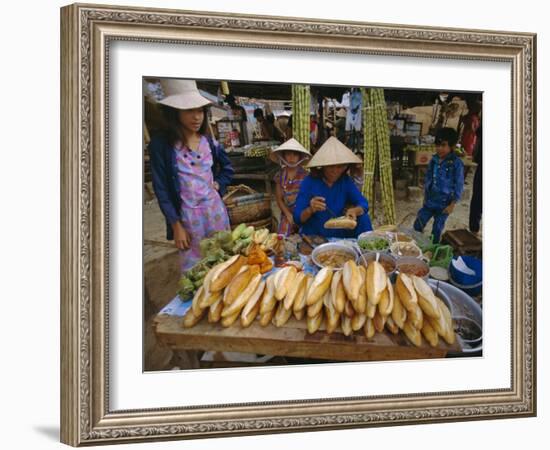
x=292, y=145
x=333, y=152
x=182, y=94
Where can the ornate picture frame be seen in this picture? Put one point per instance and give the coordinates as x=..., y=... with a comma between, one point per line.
x=87, y=31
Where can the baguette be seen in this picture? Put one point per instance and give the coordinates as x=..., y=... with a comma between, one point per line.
x=243, y=297
x=341, y=222
x=266, y=318
x=254, y=298
x=268, y=299
x=386, y=300
x=351, y=279
x=426, y=297
x=412, y=333
x=313, y=323
x=407, y=294
x=247, y=317
x=360, y=305
x=349, y=311
x=197, y=301
x=449, y=335
x=320, y=285
x=338, y=294
x=369, y=329
x=209, y=298
x=284, y=280
x=282, y=315
x=229, y=269
x=215, y=311
x=430, y=334
x=379, y=321
x=300, y=301
x=399, y=313
x=358, y=321
x=313, y=310
x=392, y=326
x=376, y=282
x=416, y=317
x=227, y=321
x=294, y=290
x=346, y=325
x=237, y=284
x=191, y=319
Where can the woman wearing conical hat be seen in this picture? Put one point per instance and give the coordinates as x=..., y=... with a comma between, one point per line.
x=327, y=193
x=290, y=156
x=190, y=171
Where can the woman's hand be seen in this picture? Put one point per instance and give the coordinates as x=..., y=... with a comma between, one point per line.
x=352, y=213
x=317, y=204
x=182, y=238
x=216, y=185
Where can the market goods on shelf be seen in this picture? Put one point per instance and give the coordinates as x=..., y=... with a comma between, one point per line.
x=347, y=301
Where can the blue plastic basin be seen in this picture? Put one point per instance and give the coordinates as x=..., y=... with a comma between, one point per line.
x=471, y=284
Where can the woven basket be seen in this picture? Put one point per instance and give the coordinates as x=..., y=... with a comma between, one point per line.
x=245, y=205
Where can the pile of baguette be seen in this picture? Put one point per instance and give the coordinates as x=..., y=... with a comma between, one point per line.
x=346, y=300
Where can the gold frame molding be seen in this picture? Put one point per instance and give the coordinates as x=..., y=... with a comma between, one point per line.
x=86, y=33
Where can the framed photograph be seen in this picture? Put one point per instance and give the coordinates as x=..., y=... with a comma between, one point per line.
x=210, y=101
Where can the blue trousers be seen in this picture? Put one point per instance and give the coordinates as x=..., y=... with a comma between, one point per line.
x=425, y=214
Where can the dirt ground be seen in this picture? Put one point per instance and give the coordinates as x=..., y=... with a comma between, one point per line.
x=162, y=263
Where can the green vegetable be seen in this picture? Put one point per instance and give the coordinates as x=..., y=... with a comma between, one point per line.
x=248, y=232
x=373, y=244
x=236, y=234
x=187, y=288
x=223, y=237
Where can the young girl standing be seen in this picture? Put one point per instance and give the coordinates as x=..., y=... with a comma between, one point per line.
x=290, y=155
x=190, y=171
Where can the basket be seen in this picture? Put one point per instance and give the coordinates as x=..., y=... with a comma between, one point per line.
x=245, y=205
x=442, y=256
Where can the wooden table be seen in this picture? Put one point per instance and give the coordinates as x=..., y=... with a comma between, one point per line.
x=292, y=340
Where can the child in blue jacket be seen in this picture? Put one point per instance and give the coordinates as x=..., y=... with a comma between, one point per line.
x=443, y=185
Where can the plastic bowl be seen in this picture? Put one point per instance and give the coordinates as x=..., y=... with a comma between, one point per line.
x=331, y=247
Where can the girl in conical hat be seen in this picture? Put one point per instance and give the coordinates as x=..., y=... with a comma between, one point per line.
x=326, y=193
x=290, y=156
x=190, y=171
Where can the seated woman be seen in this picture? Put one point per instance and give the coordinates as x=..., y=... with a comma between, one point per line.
x=328, y=191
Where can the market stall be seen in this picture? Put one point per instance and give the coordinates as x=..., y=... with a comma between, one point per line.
x=370, y=298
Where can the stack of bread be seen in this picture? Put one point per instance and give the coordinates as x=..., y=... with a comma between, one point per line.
x=347, y=300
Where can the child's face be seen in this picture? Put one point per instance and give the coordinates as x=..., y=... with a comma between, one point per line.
x=191, y=119
x=291, y=157
x=442, y=148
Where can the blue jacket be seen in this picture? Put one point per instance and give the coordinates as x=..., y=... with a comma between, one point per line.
x=165, y=176
x=337, y=197
x=444, y=183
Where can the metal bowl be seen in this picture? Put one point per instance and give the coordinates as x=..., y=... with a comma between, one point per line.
x=331, y=247
x=383, y=258
x=371, y=236
x=468, y=329
x=412, y=261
